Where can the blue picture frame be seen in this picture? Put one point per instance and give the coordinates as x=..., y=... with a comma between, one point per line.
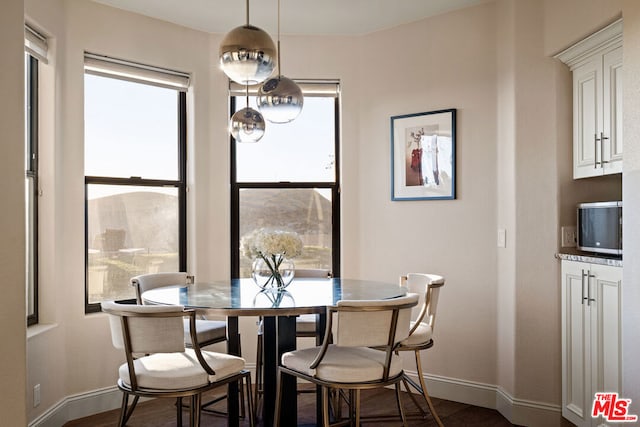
x=423, y=156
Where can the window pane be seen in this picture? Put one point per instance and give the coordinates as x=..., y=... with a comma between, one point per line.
x=305, y=211
x=31, y=245
x=130, y=230
x=126, y=125
x=31, y=184
x=299, y=151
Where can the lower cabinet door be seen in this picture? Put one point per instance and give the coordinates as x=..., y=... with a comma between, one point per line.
x=591, y=338
x=606, y=332
x=576, y=344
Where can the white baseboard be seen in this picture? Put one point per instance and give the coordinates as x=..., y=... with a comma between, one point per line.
x=517, y=411
x=85, y=404
x=79, y=406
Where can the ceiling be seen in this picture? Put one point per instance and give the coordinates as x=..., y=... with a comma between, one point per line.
x=310, y=17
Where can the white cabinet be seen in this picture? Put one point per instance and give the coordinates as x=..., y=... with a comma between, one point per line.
x=591, y=337
x=596, y=63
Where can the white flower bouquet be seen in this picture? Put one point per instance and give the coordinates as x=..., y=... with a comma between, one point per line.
x=272, y=247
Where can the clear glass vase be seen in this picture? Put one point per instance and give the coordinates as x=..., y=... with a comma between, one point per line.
x=275, y=272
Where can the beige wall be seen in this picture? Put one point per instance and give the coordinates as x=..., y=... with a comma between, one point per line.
x=631, y=194
x=506, y=195
x=569, y=21
x=513, y=172
x=13, y=314
x=417, y=68
x=528, y=325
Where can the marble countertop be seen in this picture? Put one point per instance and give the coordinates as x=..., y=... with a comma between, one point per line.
x=593, y=259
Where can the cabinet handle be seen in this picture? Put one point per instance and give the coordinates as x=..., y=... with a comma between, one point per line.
x=602, y=138
x=595, y=151
x=589, y=299
x=584, y=275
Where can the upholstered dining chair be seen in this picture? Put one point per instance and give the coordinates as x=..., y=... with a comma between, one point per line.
x=208, y=331
x=158, y=365
x=346, y=359
x=305, y=327
x=423, y=317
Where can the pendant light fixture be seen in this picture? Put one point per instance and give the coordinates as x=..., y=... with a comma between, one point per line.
x=280, y=98
x=247, y=54
x=247, y=124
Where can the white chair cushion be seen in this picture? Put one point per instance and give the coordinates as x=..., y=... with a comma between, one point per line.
x=207, y=330
x=421, y=335
x=176, y=371
x=306, y=323
x=343, y=364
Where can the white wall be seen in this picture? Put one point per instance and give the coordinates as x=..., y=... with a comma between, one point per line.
x=506, y=195
x=537, y=333
x=13, y=313
x=631, y=194
x=513, y=133
x=424, y=67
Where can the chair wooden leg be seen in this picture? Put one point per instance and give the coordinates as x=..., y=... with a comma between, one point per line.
x=407, y=386
x=250, y=411
x=399, y=403
x=276, y=415
x=423, y=385
x=352, y=406
x=243, y=410
x=126, y=410
x=325, y=406
x=179, y=412
x=357, y=402
x=335, y=399
x=259, y=362
x=123, y=410
x=196, y=401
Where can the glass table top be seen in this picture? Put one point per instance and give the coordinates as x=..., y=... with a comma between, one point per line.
x=243, y=297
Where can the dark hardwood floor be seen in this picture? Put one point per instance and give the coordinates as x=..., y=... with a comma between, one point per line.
x=161, y=413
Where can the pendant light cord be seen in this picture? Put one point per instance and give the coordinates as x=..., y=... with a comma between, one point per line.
x=247, y=86
x=279, y=62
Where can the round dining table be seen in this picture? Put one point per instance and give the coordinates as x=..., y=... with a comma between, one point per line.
x=242, y=297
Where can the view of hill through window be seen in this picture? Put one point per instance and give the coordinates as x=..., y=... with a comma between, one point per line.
x=306, y=211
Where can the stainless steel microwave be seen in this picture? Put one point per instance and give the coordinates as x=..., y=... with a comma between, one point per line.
x=599, y=227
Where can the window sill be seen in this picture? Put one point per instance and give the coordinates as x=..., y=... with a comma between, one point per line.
x=39, y=329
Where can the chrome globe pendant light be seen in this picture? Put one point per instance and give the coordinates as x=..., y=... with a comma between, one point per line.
x=247, y=54
x=247, y=124
x=280, y=98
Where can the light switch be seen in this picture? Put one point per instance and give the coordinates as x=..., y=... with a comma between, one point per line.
x=502, y=238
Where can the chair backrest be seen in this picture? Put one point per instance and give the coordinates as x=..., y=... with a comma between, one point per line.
x=373, y=323
x=313, y=273
x=139, y=329
x=150, y=281
x=147, y=329
x=428, y=287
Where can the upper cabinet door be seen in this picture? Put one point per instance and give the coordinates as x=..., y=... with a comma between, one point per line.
x=596, y=63
x=587, y=118
x=612, y=110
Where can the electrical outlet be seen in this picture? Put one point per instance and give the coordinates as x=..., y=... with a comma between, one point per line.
x=569, y=239
x=36, y=395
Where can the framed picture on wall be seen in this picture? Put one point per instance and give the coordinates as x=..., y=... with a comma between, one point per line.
x=423, y=156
